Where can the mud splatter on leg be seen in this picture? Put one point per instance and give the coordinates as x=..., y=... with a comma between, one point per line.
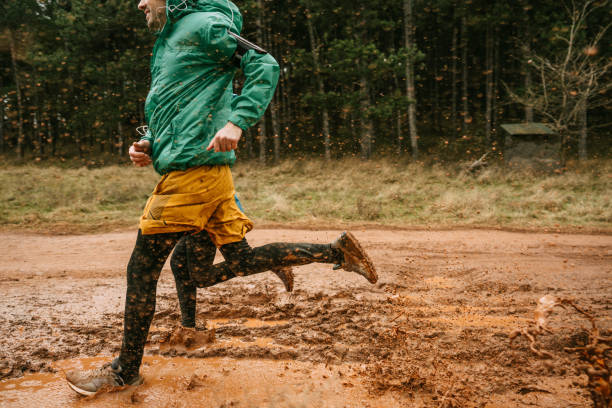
x=185, y=289
x=243, y=260
x=148, y=258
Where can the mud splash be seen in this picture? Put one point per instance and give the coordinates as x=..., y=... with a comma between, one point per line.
x=433, y=332
x=213, y=382
x=205, y=342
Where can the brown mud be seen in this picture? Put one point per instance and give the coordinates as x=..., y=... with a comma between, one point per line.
x=433, y=332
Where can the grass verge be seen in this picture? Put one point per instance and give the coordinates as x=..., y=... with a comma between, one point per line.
x=314, y=192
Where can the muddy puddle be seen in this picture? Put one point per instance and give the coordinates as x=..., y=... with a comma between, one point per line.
x=211, y=382
x=433, y=332
x=251, y=323
x=190, y=342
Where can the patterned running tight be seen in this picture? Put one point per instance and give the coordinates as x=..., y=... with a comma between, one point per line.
x=192, y=267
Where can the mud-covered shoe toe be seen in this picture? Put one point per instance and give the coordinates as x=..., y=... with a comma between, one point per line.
x=355, y=258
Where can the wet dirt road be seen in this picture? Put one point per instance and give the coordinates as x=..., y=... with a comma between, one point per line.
x=432, y=332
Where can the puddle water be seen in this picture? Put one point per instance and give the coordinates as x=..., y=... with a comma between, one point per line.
x=183, y=340
x=31, y=383
x=478, y=320
x=233, y=342
x=216, y=323
x=210, y=382
x=250, y=323
x=239, y=342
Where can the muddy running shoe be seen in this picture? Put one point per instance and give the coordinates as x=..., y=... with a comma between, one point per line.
x=355, y=258
x=91, y=381
x=285, y=274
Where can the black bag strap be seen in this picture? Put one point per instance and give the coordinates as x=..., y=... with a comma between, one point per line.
x=243, y=46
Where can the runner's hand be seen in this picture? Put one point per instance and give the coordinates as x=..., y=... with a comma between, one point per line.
x=226, y=138
x=139, y=153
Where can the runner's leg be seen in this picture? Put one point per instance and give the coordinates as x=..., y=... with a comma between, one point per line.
x=243, y=260
x=197, y=252
x=148, y=258
x=185, y=289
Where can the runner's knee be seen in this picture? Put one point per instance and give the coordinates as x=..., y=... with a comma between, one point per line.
x=236, y=254
x=236, y=251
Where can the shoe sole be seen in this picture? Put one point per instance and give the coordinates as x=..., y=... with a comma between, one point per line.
x=81, y=390
x=372, y=276
x=86, y=393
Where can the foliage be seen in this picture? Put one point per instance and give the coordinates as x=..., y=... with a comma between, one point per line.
x=82, y=69
x=573, y=75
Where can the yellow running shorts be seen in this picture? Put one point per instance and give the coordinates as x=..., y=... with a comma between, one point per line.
x=199, y=198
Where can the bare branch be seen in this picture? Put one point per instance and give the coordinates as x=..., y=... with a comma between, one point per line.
x=574, y=82
x=544, y=89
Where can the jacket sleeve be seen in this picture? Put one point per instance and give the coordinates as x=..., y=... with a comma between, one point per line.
x=261, y=73
x=148, y=136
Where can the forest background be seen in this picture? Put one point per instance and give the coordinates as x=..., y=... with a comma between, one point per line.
x=423, y=79
x=379, y=109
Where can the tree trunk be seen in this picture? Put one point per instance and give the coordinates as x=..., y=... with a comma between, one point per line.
x=399, y=137
x=289, y=104
x=489, y=84
x=109, y=139
x=269, y=44
x=326, y=135
x=464, y=80
x=79, y=130
x=262, y=125
x=528, y=108
x=102, y=143
x=37, y=118
x=527, y=41
x=53, y=131
x=38, y=131
x=410, y=91
x=50, y=138
x=285, y=108
x=90, y=139
x=454, y=59
x=120, y=138
x=352, y=127
x=496, y=75
x=317, y=71
x=262, y=140
x=366, y=123
x=280, y=89
x=1, y=126
x=248, y=142
x=582, y=144
x=141, y=118
x=437, y=111
x=20, y=134
x=564, y=135
x=276, y=137
x=398, y=119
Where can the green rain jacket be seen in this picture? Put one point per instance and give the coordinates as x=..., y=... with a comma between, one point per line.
x=191, y=84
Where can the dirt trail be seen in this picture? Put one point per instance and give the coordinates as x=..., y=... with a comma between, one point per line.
x=432, y=332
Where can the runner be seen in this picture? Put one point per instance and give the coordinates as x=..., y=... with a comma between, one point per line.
x=194, y=125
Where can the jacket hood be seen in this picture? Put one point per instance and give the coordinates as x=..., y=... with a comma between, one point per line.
x=176, y=9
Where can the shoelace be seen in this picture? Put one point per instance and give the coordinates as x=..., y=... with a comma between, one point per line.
x=114, y=373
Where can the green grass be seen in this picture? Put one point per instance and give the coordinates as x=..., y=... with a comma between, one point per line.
x=350, y=191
